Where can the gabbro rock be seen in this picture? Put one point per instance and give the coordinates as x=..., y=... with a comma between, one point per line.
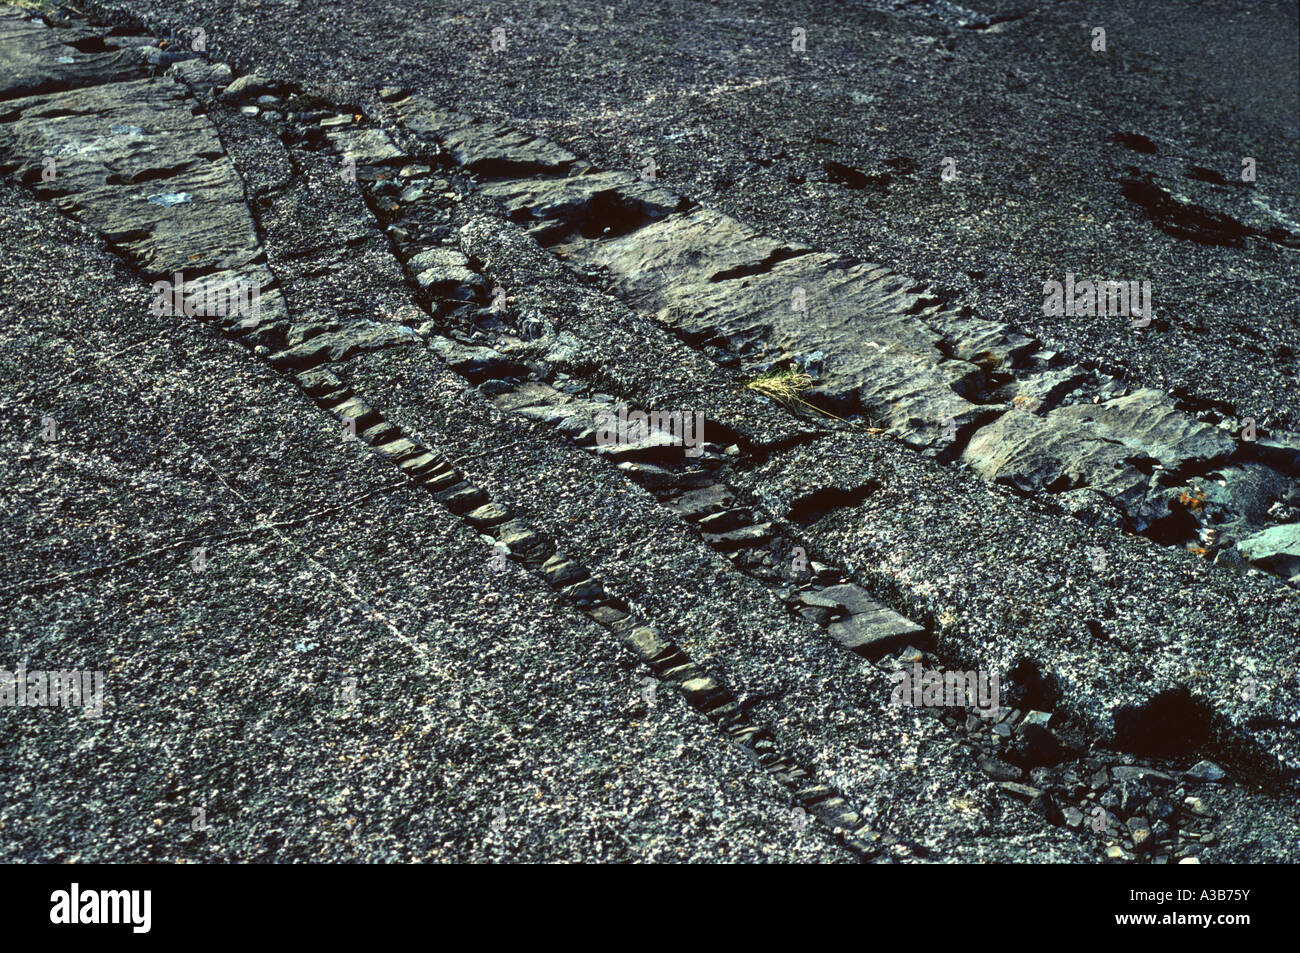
x=927, y=362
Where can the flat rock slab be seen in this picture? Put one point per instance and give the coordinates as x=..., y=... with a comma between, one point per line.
x=1276, y=549
x=35, y=58
x=871, y=628
x=489, y=148
x=1145, y=423
x=133, y=161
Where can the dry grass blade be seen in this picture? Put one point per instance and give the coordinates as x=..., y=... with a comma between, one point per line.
x=786, y=386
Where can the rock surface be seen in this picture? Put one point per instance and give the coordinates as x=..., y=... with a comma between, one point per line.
x=479, y=630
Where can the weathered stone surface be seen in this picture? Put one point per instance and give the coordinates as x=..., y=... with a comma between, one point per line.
x=330, y=259
x=248, y=87
x=876, y=631
x=489, y=148
x=1146, y=423
x=920, y=371
x=446, y=271
x=657, y=447
x=696, y=504
x=678, y=256
x=1245, y=491
x=1036, y=453
x=477, y=363
x=131, y=160
x=749, y=536
x=1006, y=582
x=365, y=146
x=201, y=76
x=37, y=59
x=1276, y=549
x=582, y=201
x=339, y=345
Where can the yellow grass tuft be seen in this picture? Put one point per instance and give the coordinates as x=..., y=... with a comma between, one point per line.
x=786, y=385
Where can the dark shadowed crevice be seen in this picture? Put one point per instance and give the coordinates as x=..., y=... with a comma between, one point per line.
x=815, y=506
x=1171, y=724
x=1028, y=687
x=1135, y=141
x=761, y=267
x=1183, y=219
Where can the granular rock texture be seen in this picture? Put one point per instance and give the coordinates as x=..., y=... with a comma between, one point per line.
x=428, y=481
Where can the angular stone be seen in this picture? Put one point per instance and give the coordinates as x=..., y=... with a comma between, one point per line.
x=398, y=450
x=557, y=205
x=463, y=497
x=1139, y=773
x=1042, y=391
x=585, y=593
x=248, y=87
x=418, y=464
x=1141, y=834
x=870, y=627
x=1276, y=549
x=490, y=514
x=476, y=363
x=560, y=572
x=726, y=520
x=658, y=447
x=1147, y=423
x=1019, y=790
x=488, y=148
x=701, y=690
x=647, y=643
x=746, y=538
x=1035, y=453
x=203, y=77
x=999, y=770
x=678, y=255
x=696, y=504
x=445, y=272
x=340, y=345
x=1205, y=771
x=1040, y=718
x=607, y=615
x=440, y=480
x=519, y=536
x=366, y=146
x=660, y=478
x=358, y=411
